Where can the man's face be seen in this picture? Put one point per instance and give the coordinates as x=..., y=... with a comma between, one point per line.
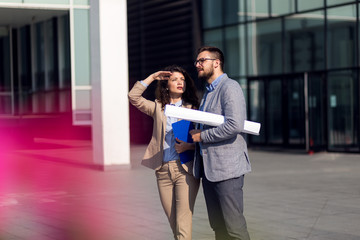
x=204, y=65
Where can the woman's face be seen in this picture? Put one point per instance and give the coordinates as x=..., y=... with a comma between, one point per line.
x=176, y=83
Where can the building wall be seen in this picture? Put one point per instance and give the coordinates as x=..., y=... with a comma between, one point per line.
x=160, y=33
x=68, y=67
x=42, y=77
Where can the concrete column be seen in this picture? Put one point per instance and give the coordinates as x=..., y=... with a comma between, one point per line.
x=109, y=79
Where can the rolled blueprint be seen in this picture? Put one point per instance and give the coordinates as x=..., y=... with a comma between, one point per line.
x=207, y=118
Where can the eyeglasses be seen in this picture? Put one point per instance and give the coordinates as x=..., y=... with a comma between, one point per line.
x=202, y=60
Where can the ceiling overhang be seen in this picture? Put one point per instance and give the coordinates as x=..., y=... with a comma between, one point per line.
x=17, y=17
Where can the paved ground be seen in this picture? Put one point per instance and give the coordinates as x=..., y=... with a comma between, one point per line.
x=52, y=192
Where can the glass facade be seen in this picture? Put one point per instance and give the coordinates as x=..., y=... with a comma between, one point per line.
x=343, y=109
x=301, y=62
x=6, y=99
x=304, y=42
x=30, y=71
x=45, y=64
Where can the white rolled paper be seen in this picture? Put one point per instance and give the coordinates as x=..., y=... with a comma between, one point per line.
x=251, y=127
x=210, y=119
x=192, y=115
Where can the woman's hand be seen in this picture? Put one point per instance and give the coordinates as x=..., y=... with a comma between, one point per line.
x=181, y=146
x=159, y=75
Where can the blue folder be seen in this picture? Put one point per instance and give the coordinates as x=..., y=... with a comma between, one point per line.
x=181, y=131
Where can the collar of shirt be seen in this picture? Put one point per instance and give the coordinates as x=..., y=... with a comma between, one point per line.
x=211, y=87
x=177, y=104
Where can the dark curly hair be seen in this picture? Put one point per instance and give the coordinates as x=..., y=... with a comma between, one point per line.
x=189, y=96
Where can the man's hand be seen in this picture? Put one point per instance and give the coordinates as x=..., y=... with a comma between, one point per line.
x=195, y=134
x=181, y=146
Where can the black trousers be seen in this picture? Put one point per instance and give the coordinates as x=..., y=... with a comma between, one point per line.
x=224, y=202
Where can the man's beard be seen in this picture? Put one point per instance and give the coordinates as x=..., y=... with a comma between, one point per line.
x=206, y=75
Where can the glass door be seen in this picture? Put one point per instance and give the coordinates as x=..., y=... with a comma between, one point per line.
x=266, y=107
x=343, y=107
x=274, y=112
x=6, y=78
x=295, y=111
x=256, y=108
x=316, y=106
x=278, y=103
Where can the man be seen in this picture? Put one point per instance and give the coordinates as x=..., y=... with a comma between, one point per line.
x=221, y=153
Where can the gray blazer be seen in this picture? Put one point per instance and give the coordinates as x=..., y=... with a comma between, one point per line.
x=224, y=149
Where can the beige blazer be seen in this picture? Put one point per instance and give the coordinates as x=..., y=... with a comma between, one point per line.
x=153, y=157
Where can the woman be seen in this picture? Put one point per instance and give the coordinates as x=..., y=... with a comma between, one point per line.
x=176, y=184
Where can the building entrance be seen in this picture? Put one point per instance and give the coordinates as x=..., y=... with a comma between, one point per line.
x=35, y=79
x=290, y=110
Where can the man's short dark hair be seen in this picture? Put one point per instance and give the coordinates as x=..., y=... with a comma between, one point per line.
x=218, y=54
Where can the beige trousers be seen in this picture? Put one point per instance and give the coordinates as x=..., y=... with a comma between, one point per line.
x=178, y=190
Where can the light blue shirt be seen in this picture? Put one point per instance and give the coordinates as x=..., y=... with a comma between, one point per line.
x=144, y=84
x=169, y=142
x=209, y=88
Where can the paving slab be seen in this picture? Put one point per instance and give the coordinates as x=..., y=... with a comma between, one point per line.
x=51, y=192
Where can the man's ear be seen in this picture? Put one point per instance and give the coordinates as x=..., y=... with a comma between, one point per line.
x=217, y=63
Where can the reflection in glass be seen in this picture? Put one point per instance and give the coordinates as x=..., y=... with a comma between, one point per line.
x=40, y=91
x=82, y=47
x=257, y=108
x=212, y=13
x=280, y=7
x=235, y=51
x=213, y=38
x=234, y=10
x=38, y=97
x=343, y=104
x=5, y=80
x=52, y=80
x=5, y=104
x=335, y=2
x=243, y=84
x=25, y=84
x=342, y=36
x=317, y=111
x=304, y=37
x=64, y=52
x=257, y=9
x=296, y=110
x=274, y=112
x=5, y=76
x=309, y=4
x=265, y=47
x=39, y=57
x=64, y=65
